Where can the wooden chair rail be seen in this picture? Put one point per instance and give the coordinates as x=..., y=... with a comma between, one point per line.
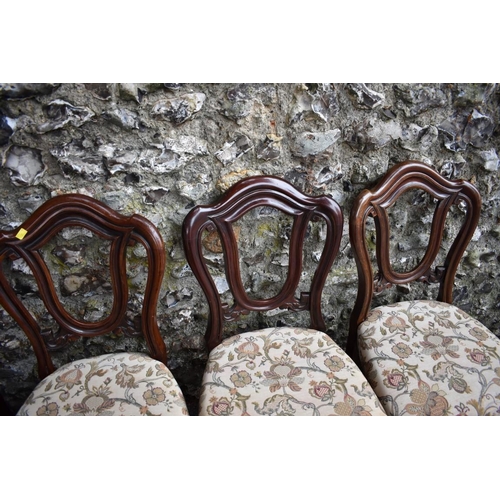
x=86, y=212
x=244, y=196
x=375, y=202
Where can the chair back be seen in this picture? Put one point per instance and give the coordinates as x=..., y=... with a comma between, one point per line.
x=242, y=197
x=45, y=223
x=375, y=203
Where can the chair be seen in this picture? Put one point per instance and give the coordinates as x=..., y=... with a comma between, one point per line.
x=278, y=370
x=118, y=383
x=422, y=357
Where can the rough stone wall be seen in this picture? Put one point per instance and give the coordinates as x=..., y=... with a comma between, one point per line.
x=160, y=149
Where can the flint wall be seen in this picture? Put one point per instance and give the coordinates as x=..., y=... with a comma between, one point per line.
x=160, y=149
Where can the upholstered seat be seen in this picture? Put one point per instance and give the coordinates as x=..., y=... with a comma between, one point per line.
x=112, y=384
x=422, y=357
x=109, y=384
x=433, y=359
x=279, y=370
x=284, y=371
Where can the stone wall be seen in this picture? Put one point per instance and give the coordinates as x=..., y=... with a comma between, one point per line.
x=160, y=149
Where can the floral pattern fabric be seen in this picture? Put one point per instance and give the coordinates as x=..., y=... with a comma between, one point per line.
x=112, y=384
x=430, y=358
x=284, y=371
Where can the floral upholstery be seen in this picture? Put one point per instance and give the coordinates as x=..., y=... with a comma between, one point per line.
x=430, y=358
x=112, y=384
x=284, y=371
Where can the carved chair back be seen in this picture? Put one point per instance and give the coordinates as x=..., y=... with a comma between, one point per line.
x=242, y=197
x=85, y=212
x=375, y=203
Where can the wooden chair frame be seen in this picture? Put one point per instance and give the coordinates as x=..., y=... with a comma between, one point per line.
x=375, y=202
x=83, y=211
x=245, y=195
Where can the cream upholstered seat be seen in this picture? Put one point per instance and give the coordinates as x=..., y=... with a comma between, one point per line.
x=122, y=383
x=280, y=370
x=422, y=357
x=111, y=384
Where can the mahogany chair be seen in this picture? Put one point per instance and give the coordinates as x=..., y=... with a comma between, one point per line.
x=422, y=357
x=276, y=370
x=118, y=383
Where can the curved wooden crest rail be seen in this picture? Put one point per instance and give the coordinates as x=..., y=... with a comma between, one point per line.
x=86, y=212
x=244, y=196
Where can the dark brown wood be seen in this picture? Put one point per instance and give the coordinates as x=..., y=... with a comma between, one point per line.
x=245, y=195
x=83, y=211
x=375, y=202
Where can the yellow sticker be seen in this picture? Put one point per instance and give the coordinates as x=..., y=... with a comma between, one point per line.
x=21, y=234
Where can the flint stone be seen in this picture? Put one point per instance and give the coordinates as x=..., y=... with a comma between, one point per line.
x=265, y=211
x=75, y=159
x=22, y=267
x=25, y=165
x=70, y=256
x=415, y=99
x=180, y=109
x=11, y=344
x=30, y=203
x=324, y=103
x=176, y=296
x=140, y=251
x=373, y=134
x=124, y=118
x=297, y=177
x=428, y=136
x=236, y=110
x=166, y=162
x=186, y=145
x=270, y=148
x=488, y=256
x=7, y=126
x=182, y=317
x=366, y=97
x=22, y=90
x=231, y=151
x=121, y=161
x=73, y=283
x=313, y=143
x=242, y=92
x=479, y=129
x=181, y=271
x=221, y=284
x=154, y=194
x=313, y=101
x=328, y=175
x=462, y=129
x=193, y=191
x=70, y=233
x=281, y=260
x=491, y=162
x=410, y=136
x=175, y=154
x=62, y=113
x=140, y=278
x=451, y=170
